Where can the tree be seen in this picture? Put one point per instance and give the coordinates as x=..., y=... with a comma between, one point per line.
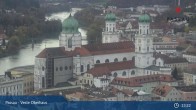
x=94, y=34
x=13, y=44
x=86, y=16
x=175, y=73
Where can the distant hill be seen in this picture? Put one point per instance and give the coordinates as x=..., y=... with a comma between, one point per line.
x=133, y=3
x=14, y=4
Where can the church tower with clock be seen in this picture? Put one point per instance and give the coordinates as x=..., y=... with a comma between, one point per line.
x=144, y=44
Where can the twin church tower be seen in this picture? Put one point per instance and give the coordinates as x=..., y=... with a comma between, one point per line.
x=71, y=37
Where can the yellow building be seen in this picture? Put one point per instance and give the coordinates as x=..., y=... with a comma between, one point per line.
x=26, y=74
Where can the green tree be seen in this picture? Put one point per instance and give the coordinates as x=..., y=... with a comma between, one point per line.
x=22, y=33
x=86, y=16
x=13, y=44
x=175, y=73
x=94, y=34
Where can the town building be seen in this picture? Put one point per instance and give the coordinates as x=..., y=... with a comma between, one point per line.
x=144, y=83
x=102, y=74
x=18, y=81
x=190, y=55
x=166, y=93
x=188, y=93
x=189, y=77
x=172, y=62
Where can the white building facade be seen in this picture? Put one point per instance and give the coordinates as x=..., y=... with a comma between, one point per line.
x=144, y=44
x=70, y=37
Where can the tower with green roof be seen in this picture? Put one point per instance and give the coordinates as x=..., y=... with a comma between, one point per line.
x=110, y=33
x=144, y=44
x=70, y=36
x=144, y=24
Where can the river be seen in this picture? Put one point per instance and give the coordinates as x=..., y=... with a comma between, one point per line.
x=26, y=55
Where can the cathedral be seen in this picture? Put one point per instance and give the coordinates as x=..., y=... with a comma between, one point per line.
x=72, y=59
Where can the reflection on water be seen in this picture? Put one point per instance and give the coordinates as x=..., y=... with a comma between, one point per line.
x=26, y=55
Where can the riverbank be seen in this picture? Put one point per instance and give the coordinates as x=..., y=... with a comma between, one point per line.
x=32, y=42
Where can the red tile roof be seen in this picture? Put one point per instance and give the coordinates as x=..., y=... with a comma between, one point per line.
x=81, y=51
x=52, y=52
x=127, y=92
x=137, y=81
x=93, y=49
x=162, y=90
x=110, y=48
x=105, y=69
x=99, y=71
x=118, y=65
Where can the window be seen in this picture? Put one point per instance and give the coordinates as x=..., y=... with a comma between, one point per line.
x=147, y=49
x=133, y=72
x=65, y=67
x=115, y=74
x=82, y=68
x=42, y=68
x=88, y=66
x=70, y=43
x=70, y=67
x=115, y=60
x=107, y=61
x=124, y=59
x=124, y=73
x=56, y=68
x=98, y=61
x=43, y=82
x=139, y=48
x=133, y=58
x=61, y=68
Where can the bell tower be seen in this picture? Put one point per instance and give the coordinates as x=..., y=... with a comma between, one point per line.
x=144, y=43
x=70, y=36
x=110, y=33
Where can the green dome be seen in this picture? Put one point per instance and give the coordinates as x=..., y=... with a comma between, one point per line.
x=110, y=17
x=144, y=18
x=70, y=25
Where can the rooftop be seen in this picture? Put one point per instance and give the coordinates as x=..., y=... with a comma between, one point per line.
x=139, y=80
x=107, y=68
x=154, y=68
x=162, y=90
x=52, y=52
x=169, y=60
x=110, y=48
x=187, y=88
x=91, y=49
x=23, y=69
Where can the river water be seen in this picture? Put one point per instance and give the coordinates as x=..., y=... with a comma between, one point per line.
x=26, y=55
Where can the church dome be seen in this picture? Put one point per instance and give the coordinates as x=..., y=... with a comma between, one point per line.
x=144, y=18
x=70, y=25
x=110, y=17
